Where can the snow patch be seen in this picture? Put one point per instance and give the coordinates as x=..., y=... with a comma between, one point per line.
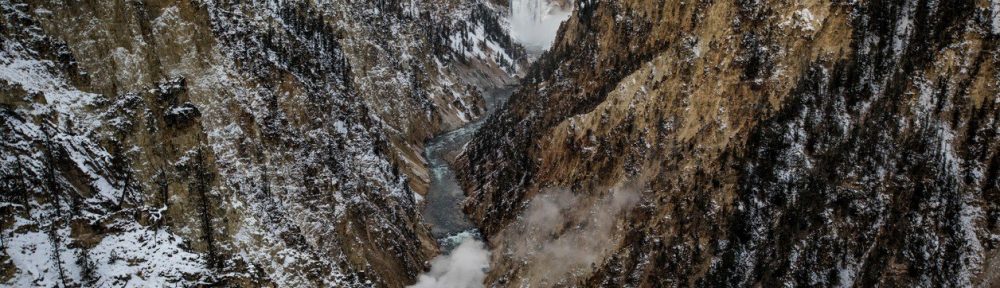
x=34, y=255
x=904, y=28
x=995, y=10
x=802, y=20
x=144, y=258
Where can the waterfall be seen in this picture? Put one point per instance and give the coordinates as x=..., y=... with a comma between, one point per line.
x=534, y=23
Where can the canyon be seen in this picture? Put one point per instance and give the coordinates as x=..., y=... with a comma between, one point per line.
x=490, y=143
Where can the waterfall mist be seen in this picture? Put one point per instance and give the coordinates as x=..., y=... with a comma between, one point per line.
x=534, y=23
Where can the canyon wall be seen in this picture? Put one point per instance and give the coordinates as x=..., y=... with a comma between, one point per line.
x=771, y=143
x=261, y=143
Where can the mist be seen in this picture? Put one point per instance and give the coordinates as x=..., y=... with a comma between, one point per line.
x=464, y=267
x=534, y=23
x=562, y=235
x=559, y=237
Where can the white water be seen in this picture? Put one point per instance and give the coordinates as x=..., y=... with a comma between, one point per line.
x=534, y=23
x=464, y=267
x=466, y=259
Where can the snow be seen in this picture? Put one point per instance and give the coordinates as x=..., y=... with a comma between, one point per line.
x=41, y=245
x=141, y=257
x=995, y=21
x=33, y=254
x=38, y=76
x=417, y=198
x=131, y=255
x=88, y=157
x=802, y=19
x=477, y=37
x=904, y=27
x=340, y=127
x=972, y=254
x=180, y=110
x=846, y=276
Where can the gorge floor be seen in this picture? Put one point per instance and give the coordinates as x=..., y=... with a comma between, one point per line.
x=442, y=210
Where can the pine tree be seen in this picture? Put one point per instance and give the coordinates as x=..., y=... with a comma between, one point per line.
x=201, y=186
x=53, y=188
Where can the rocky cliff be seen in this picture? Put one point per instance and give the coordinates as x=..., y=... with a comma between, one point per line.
x=769, y=143
x=656, y=144
x=261, y=143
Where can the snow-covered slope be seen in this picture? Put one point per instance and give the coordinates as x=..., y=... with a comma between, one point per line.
x=181, y=143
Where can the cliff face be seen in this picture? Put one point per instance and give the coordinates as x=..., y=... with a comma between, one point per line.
x=814, y=143
x=190, y=143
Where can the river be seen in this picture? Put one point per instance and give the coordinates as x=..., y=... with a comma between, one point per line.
x=443, y=207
